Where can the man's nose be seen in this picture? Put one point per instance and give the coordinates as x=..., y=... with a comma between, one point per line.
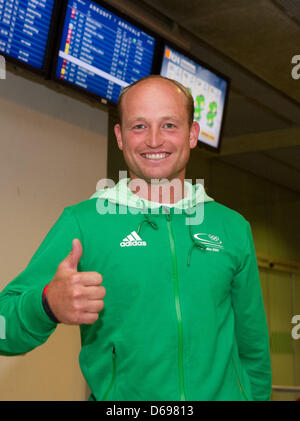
x=154, y=138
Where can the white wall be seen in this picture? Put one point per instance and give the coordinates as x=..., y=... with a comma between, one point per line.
x=53, y=150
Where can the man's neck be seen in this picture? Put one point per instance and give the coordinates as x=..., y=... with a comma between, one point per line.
x=160, y=191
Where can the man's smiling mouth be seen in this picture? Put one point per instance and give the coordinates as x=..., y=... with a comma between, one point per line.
x=156, y=156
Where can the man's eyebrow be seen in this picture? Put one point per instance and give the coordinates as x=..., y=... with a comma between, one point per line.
x=163, y=118
x=132, y=120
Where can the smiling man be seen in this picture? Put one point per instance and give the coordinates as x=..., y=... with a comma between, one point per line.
x=156, y=132
x=184, y=317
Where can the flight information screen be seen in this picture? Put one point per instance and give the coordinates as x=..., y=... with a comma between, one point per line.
x=207, y=88
x=101, y=52
x=24, y=29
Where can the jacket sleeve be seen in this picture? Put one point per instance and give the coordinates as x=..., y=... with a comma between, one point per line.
x=250, y=322
x=26, y=325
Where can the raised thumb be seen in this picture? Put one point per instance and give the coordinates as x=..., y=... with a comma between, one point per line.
x=75, y=255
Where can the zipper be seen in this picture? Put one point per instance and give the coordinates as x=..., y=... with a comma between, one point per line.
x=113, y=375
x=178, y=309
x=239, y=383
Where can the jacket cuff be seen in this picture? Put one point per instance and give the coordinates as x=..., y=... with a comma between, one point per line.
x=46, y=306
x=33, y=316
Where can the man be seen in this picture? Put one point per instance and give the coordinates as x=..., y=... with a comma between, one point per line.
x=183, y=317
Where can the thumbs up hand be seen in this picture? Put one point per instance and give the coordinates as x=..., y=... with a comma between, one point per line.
x=75, y=297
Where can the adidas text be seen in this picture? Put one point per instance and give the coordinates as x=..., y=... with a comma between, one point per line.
x=133, y=243
x=133, y=239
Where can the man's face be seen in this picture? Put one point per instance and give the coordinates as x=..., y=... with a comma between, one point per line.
x=155, y=136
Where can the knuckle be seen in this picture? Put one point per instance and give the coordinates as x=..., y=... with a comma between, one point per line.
x=76, y=293
x=76, y=318
x=75, y=308
x=75, y=278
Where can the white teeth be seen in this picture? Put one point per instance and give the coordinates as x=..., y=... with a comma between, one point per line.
x=155, y=155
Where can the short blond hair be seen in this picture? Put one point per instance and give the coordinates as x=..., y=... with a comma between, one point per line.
x=183, y=89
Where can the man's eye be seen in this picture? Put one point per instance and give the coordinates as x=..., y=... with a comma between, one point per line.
x=139, y=126
x=169, y=125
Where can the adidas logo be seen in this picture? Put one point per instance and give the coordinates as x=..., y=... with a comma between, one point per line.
x=132, y=239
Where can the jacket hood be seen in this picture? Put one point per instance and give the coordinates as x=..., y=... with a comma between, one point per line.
x=122, y=195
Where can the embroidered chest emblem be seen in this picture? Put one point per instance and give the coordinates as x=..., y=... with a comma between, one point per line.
x=211, y=241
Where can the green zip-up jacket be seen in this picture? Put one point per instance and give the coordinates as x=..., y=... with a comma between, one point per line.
x=183, y=317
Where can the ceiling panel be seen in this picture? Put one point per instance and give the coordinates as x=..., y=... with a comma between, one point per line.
x=244, y=116
x=258, y=34
x=261, y=36
x=279, y=171
x=289, y=156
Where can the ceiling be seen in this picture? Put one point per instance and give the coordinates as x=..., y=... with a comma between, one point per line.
x=254, y=42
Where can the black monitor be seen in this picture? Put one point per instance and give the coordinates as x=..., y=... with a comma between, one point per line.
x=208, y=87
x=100, y=51
x=25, y=28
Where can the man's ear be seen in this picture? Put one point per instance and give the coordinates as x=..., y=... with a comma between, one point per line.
x=118, y=134
x=194, y=134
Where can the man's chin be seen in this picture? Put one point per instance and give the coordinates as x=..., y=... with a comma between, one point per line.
x=154, y=178
x=157, y=175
